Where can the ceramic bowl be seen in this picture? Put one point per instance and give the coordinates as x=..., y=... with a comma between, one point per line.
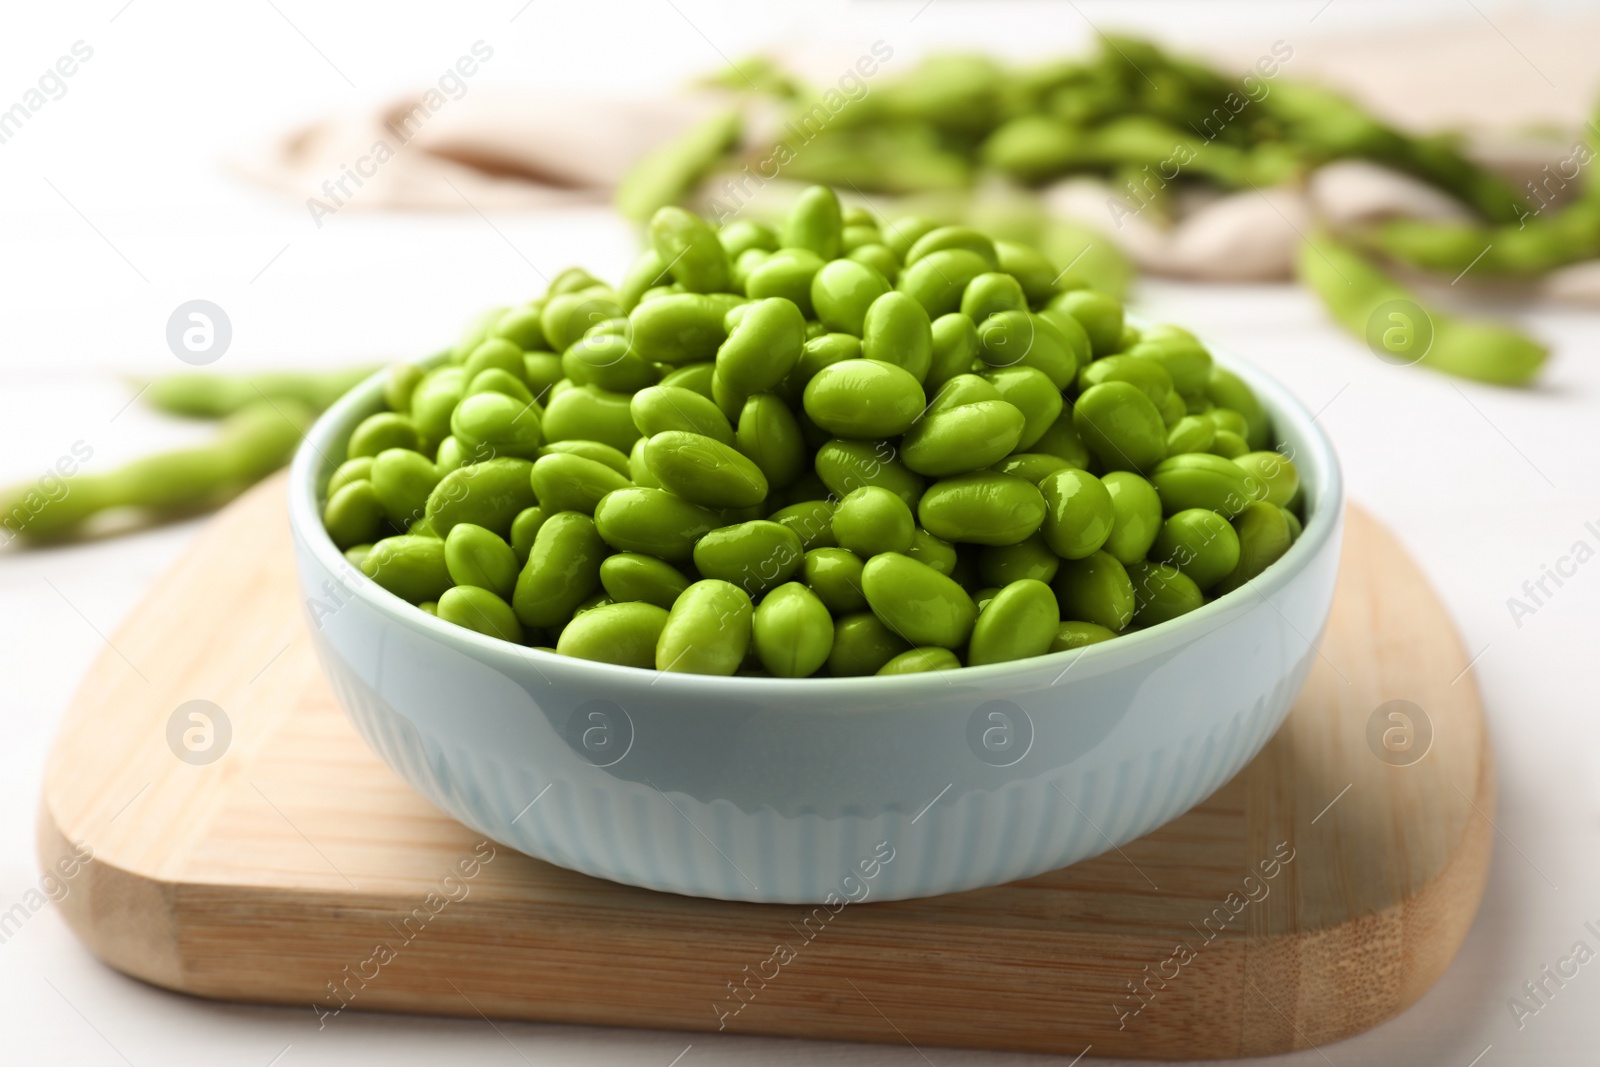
x=821, y=789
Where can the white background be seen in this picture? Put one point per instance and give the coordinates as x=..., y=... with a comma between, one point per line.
x=114, y=209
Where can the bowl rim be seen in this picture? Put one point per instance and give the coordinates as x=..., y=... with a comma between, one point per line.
x=1320, y=472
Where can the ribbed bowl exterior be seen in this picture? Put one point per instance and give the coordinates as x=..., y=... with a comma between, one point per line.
x=811, y=790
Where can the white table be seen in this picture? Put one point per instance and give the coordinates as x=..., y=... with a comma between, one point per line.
x=115, y=211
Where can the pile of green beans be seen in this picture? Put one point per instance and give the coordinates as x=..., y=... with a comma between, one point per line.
x=817, y=449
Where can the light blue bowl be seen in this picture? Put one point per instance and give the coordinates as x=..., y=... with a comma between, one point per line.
x=819, y=789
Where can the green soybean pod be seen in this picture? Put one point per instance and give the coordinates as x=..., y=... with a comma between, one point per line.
x=387, y=429
x=793, y=631
x=1276, y=474
x=679, y=328
x=1199, y=543
x=563, y=481
x=938, y=280
x=402, y=480
x=763, y=347
x=479, y=557
x=703, y=470
x=961, y=390
x=1202, y=480
x=589, y=413
x=1019, y=623
x=864, y=399
x=915, y=601
x=1120, y=425
x=1030, y=466
x=1095, y=589
x=1151, y=377
x=500, y=424
x=654, y=522
x=353, y=515
x=862, y=645
x=1192, y=433
x=660, y=408
x=1161, y=592
x=1000, y=565
x=955, y=346
x=871, y=520
x=756, y=555
x=1099, y=315
x=399, y=383
x=1136, y=515
x=1032, y=393
x=688, y=245
x=707, y=630
x=1264, y=536
x=524, y=528
x=983, y=507
x=815, y=223
x=965, y=438
x=842, y=291
x=1227, y=390
x=845, y=466
x=1062, y=440
x=922, y=660
x=896, y=329
x=1030, y=267
x=787, y=273
x=1073, y=635
x=488, y=494
x=562, y=571
x=480, y=610
x=412, y=568
x=631, y=576
x=834, y=574
x=624, y=634
x=769, y=436
x=351, y=470
x=811, y=521
x=936, y=552
x=1078, y=513
x=990, y=294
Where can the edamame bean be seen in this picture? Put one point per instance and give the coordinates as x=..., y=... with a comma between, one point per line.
x=1185, y=360
x=1078, y=513
x=1033, y=558
x=704, y=471
x=871, y=520
x=502, y=424
x=811, y=521
x=862, y=644
x=399, y=383
x=562, y=571
x=864, y=399
x=568, y=316
x=756, y=556
x=963, y=389
x=351, y=470
x=1018, y=623
x=495, y=380
x=1264, y=536
x=402, y=480
x=815, y=223
x=688, y=245
x=1274, y=472
x=1096, y=589
x=1136, y=516
x=1227, y=390
x=921, y=660
x=1201, y=480
x=608, y=360
x=879, y=258
x=1031, y=392
x=845, y=466
x=793, y=631
x=787, y=273
x=475, y=556
x=944, y=237
x=1151, y=377
x=488, y=494
x=1030, y=466
x=594, y=450
x=896, y=330
x=1229, y=445
x=763, y=348
x=707, y=631
x=387, y=429
x=1071, y=635
x=568, y=482
x=983, y=507
x=630, y=576
x=842, y=291
x=938, y=280
x=654, y=522
x=521, y=327
x=412, y=568
x=834, y=574
x=769, y=436
x=587, y=412
x=1062, y=440
x=496, y=353
x=480, y=610
x=955, y=346
x=679, y=328
x=1192, y=433
x=1121, y=426
x=1025, y=339
x=916, y=602
x=1161, y=592
x=1030, y=267
x=353, y=515
x=624, y=634
x=934, y=551
x=1199, y=543
x=963, y=438
x=669, y=407
x=524, y=528
x=1098, y=314
x=990, y=294
x=743, y=234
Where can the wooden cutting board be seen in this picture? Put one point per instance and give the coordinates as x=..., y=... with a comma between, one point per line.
x=1318, y=893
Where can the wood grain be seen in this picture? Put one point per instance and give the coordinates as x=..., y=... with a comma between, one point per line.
x=297, y=869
